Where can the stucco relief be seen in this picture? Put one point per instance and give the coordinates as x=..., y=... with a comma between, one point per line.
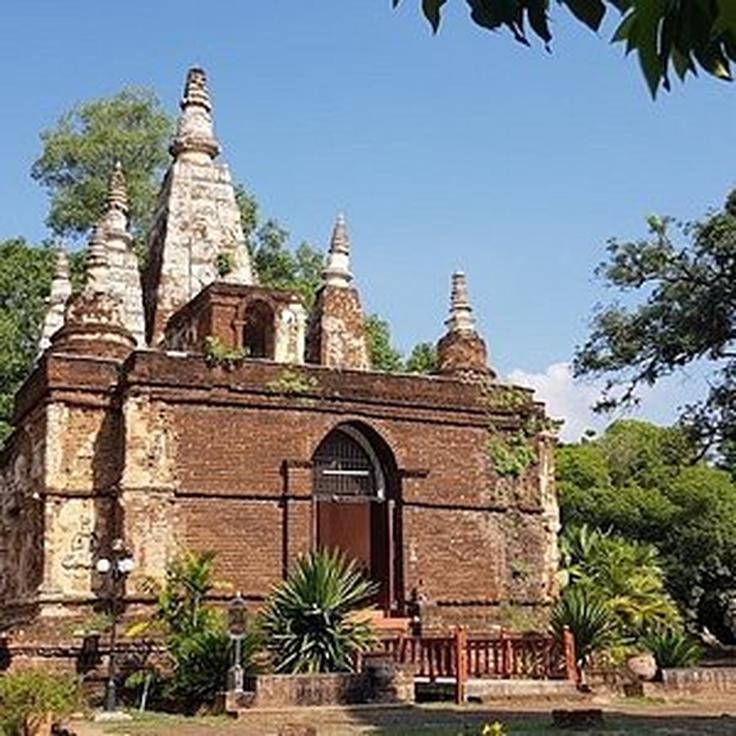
x=71, y=543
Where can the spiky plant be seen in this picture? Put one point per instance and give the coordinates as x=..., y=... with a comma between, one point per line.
x=672, y=648
x=307, y=620
x=589, y=620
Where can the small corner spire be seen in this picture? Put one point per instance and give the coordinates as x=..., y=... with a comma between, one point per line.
x=97, y=260
x=461, y=313
x=337, y=272
x=61, y=264
x=195, y=136
x=61, y=290
x=117, y=192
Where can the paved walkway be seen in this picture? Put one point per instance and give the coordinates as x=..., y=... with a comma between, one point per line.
x=716, y=718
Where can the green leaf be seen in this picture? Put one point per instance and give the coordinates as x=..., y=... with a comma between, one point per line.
x=537, y=12
x=431, y=10
x=590, y=12
x=681, y=63
x=726, y=19
x=649, y=15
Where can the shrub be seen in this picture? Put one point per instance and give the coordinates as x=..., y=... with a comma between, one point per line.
x=201, y=662
x=589, y=620
x=307, y=620
x=197, y=642
x=672, y=648
x=28, y=697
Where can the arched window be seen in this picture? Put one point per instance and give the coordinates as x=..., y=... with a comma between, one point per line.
x=345, y=465
x=258, y=331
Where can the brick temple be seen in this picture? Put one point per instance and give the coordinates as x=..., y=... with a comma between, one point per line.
x=187, y=406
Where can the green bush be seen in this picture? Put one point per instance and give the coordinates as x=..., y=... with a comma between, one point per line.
x=309, y=620
x=588, y=618
x=201, y=662
x=29, y=696
x=672, y=648
x=197, y=642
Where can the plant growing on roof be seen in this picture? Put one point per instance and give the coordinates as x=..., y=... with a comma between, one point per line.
x=224, y=264
x=291, y=381
x=217, y=354
x=310, y=621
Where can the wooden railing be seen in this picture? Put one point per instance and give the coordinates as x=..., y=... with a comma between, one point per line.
x=500, y=656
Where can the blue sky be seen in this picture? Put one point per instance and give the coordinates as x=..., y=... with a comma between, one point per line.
x=463, y=150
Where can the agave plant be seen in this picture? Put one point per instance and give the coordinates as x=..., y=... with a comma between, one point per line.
x=589, y=620
x=672, y=647
x=307, y=620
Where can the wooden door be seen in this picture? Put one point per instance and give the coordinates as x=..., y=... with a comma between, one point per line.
x=346, y=525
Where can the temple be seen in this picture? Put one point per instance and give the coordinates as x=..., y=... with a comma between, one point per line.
x=186, y=406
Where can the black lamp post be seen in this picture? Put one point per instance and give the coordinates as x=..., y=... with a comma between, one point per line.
x=237, y=616
x=118, y=566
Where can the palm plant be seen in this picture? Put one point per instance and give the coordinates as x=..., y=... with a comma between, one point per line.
x=309, y=620
x=589, y=620
x=625, y=575
x=672, y=647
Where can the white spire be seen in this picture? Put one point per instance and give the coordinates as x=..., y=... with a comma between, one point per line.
x=337, y=272
x=115, y=219
x=97, y=261
x=61, y=290
x=461, y=313
x=195, y=136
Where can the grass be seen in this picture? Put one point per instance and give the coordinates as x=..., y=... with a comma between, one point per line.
x=645, y=716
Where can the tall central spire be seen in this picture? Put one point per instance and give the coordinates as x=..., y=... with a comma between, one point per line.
x=197, y=217
x=195, y=135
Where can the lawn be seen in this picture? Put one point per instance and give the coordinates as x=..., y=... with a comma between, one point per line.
x=631, y=719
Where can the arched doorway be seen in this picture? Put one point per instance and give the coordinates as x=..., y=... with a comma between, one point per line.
x=355, y=492
x=258, y=330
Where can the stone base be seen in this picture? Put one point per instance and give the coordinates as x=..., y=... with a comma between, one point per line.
x=490, y=690
x=380, y=681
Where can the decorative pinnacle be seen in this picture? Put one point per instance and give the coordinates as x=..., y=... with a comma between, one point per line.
x=337, y=271
x=117, y=193
x=461, y=313
x=194, y=133
x=97, y=261
x=340, y=242
x=61, y=264
x=195, y=90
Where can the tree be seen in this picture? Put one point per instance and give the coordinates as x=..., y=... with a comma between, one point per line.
x=25, y=280
x=686, y=315
x=685, y=36
x=79, y=153
x=641, y=482
x=383, y=355
x=422, y=359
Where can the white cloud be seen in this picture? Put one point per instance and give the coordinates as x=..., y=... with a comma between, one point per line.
x=571, y=400
x=565, y=398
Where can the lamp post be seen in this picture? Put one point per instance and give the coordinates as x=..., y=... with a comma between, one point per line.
x=117, y=566
x=236, y=615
